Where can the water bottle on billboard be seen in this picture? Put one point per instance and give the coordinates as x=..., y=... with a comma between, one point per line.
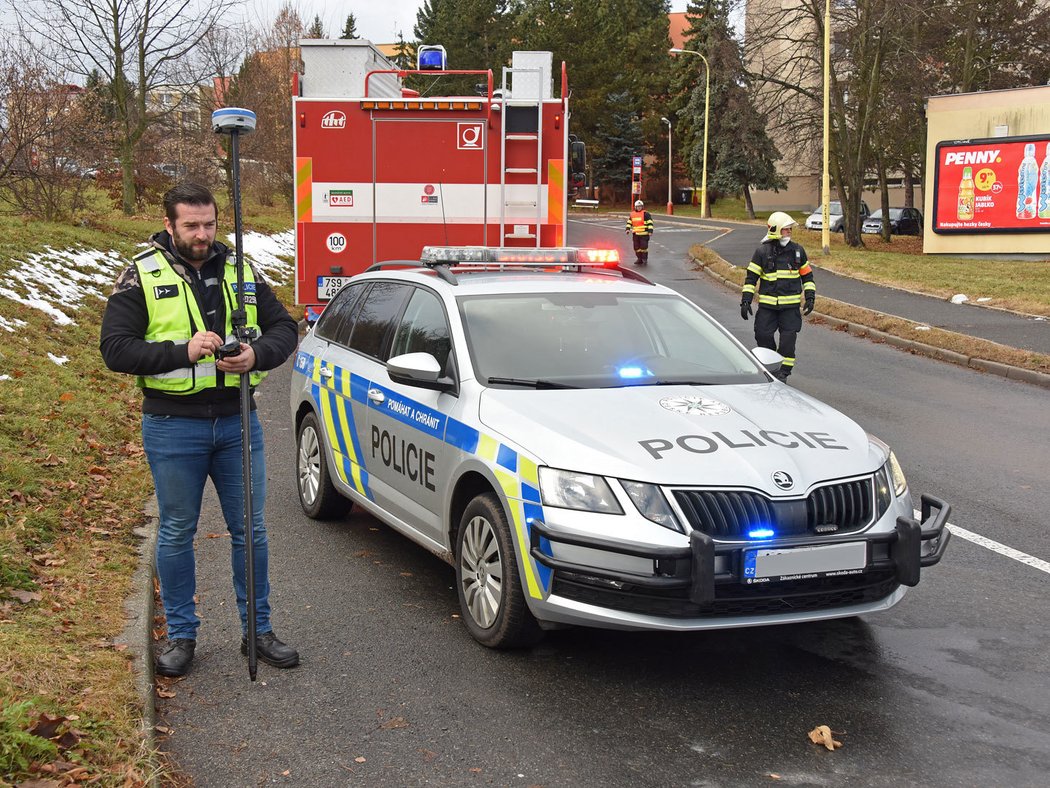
x=1027, y=182
x=1044, y=186
x=966, y=195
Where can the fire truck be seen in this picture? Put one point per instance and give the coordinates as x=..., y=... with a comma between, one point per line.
x=383, y=169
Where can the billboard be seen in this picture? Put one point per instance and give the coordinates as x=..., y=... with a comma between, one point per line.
x=997, y=185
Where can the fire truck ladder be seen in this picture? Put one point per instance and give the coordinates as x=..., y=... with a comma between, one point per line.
x=522, y=126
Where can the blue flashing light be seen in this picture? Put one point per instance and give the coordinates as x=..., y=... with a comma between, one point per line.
x=761, y=533
x=634, y=373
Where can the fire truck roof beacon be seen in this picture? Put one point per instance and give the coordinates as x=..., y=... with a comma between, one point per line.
x=431, y=57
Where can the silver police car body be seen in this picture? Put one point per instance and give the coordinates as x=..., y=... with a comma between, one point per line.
x=588, y=448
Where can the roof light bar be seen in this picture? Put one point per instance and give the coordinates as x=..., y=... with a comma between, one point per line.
x=488, y=256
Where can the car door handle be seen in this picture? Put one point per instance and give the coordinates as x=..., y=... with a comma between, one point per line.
x=376, y=396
x=326, y=372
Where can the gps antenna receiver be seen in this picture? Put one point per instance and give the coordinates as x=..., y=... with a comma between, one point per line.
x=232, y=119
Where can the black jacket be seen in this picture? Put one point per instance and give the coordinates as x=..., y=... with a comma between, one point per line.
x=124, y=348
x=784, y=272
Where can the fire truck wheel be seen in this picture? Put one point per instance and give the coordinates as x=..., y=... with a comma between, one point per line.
x=490, y=592
x=317, y=495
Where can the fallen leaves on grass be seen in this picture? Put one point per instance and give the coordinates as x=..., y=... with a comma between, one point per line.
x=25, y=597
x=822, y=734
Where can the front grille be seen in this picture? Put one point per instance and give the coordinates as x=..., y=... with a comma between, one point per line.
x=731, y=599
x=729, y=514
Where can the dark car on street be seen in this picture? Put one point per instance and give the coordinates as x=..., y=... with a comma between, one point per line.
x=903, y=221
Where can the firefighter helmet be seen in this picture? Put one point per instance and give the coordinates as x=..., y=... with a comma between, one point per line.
x=638, y=205
x=778, y=220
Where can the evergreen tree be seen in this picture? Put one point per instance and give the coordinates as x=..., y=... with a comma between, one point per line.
x=621, y=133
x=350, y=28
x=740, y=154
x=316, y=29
x=404, y=52
x=612, y=48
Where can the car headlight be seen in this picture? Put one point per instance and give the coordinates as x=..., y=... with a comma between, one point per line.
x=900, y=484
x=582, y=491
x=650, y=501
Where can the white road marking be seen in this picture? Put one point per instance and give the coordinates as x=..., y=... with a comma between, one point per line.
x=995, y=547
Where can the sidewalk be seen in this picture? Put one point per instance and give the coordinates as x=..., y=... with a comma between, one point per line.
x=1016, y=330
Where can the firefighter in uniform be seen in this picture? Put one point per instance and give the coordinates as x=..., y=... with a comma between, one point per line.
x=640, y=225
x=787, y=280
x=168, y=315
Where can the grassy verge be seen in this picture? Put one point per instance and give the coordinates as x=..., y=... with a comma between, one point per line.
x=971, y=347
x=74, y=481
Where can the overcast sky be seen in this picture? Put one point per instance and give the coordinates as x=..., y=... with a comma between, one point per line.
x=377, y=20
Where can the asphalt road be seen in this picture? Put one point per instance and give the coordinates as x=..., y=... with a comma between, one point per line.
x=951, y=687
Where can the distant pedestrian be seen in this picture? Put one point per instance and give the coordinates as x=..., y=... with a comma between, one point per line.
x=640, y=225
x=166, y=318
x=782, y=266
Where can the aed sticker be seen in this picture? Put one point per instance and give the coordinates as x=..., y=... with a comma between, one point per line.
x=336, y=243
x=341, y=198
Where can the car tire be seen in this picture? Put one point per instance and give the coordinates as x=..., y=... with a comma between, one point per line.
x=317, y=494
x=491, y=596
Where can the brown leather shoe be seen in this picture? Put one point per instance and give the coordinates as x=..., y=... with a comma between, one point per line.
x=272, y=651
x=176, y=657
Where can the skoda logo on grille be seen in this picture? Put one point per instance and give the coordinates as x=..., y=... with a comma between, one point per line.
x=783, y=480
x=695, y=406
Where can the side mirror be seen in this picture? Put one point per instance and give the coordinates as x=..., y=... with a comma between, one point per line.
x=769, y=359
x=418, y=369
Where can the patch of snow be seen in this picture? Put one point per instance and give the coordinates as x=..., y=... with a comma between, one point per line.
x=58, y=281
x=265, y=252
x=5, y=377
x=11, y=324
x=983, y=300
x=921, y=328
x=959, y=298
x=60, y=360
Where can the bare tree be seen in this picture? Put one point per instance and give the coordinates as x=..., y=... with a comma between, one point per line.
x=49, y=134
x=139, y=48
x=264, y=85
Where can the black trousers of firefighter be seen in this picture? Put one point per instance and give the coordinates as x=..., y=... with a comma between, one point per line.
x=788, y=322
x=641, y=248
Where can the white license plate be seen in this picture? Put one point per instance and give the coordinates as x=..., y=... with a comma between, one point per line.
x=328, y=286
x=804, y=563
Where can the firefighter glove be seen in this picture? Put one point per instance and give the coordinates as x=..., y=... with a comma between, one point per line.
x=745, y=306
x=810, y=300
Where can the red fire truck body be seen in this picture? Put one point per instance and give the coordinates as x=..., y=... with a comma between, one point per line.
x=381, y=171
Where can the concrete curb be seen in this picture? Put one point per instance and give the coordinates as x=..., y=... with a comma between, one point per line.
x=910, y=345
x=138, y=630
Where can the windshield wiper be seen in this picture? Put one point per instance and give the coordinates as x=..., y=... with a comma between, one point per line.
x=531, y=383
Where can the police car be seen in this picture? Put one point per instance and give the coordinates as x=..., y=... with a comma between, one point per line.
x=588, y=448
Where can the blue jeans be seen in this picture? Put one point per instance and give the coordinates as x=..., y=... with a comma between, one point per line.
x=183, y=452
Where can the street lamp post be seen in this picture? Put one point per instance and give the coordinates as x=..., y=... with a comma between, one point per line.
x=704, y=214
x=825, y=181
x=670, y=204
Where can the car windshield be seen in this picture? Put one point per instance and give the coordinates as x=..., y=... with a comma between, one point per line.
x=834, y=208
x=599, y=340
x=895, y=213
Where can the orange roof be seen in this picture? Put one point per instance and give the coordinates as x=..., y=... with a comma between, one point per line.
x=678, y=24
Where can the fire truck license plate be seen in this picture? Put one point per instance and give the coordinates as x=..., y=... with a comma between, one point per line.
x=801, y=563
x=328, y=286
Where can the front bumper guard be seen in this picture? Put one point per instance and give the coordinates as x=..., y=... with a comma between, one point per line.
x=693, y=567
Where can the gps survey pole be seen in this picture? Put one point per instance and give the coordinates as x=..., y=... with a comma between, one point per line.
x=235, y=121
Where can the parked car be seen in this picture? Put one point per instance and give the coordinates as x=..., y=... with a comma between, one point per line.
x=903, y=221
x=815, y=220
x=587, y=447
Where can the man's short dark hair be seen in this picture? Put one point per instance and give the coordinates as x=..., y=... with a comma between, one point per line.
x=187, y=194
